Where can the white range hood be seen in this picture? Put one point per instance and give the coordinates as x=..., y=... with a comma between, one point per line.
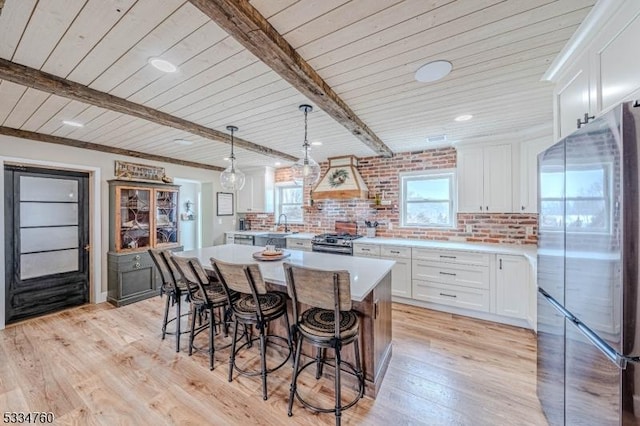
x=342, y=181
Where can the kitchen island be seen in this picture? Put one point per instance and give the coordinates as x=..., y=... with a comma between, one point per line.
x=370, y=293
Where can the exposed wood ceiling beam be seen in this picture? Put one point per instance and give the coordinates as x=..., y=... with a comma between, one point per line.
x=243, y=22
x=41, y=137
x=1, y=6
x=50, y=83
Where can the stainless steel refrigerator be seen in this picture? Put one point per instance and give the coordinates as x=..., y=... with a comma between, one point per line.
x=588, y=276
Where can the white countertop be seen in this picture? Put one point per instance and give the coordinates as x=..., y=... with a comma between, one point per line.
x=297, y=235
x=523, y=250
x=366, y=273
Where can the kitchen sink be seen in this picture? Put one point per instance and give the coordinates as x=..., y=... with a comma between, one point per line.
x=277, y=234
x=278, y=239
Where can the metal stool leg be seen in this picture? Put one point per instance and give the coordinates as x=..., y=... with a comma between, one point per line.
x=166, y=316
x=194, y=308
x=359, y=374
x=212, y=350
x=263, y=361
x=178, y=297
x=338, y=394
x=232, y=357
x=294, y=378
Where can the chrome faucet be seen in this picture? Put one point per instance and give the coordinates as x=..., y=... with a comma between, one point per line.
x=286, y=228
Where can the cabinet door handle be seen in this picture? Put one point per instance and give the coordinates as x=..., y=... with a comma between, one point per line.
x=447, y=257
x=500, y=263
x=448, y=273
x=136, y=257
x=522, y=208
x=480, y=208
x=364, y=249
x=448, y=295
x=396, y=252
x=487, y=209
x=137, y=265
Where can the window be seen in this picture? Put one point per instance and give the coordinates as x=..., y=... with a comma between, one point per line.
x=586, y=207
x=289, y=202
x=427, y=199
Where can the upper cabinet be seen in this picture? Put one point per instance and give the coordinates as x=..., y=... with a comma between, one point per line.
x=142, y=216
x=593, y=75
x=526, y=199
x=257, y=195
x=485, y=179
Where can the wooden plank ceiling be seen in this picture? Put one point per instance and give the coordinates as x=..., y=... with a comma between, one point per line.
x=366, y=50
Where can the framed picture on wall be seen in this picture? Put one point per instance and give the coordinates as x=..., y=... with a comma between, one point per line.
x=224, y=203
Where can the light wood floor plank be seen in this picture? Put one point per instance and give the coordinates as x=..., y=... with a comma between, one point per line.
x=98, y=365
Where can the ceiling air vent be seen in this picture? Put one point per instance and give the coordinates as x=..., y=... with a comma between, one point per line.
x=437, y=139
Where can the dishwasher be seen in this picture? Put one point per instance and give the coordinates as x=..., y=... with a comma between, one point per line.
x=246, y=240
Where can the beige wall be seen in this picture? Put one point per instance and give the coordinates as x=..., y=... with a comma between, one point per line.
x=56, y=155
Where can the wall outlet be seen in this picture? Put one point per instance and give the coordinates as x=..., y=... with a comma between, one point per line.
x=390, y=226
x=468, y=229
x=219, y=221
x=319, y=223
x=529, y=230
x=234, y=221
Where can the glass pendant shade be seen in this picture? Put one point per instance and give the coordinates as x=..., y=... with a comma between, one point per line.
x=232, y=179
x=306, y=170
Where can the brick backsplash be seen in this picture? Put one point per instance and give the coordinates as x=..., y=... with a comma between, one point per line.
x=381, y=177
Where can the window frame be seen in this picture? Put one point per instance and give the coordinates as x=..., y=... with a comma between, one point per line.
x=278, y=205
x=405, y=177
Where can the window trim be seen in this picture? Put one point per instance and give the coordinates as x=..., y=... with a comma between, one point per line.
x=429, y=174
x=277, y=205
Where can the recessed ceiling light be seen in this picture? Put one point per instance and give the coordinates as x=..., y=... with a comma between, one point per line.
x=433, y=71
x=464, y=117
x=226, y=158
x=163, y=65
x=72, y=123
x=277, y=163
x=316, y=143
x=183, y=142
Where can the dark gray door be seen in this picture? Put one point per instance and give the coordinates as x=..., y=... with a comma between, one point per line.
x=46, y=241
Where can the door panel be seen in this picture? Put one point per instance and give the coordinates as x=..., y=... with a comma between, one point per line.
x=46, y=233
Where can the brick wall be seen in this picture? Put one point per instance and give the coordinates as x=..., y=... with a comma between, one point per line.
x=381, y=176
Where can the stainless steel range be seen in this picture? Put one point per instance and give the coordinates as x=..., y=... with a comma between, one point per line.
x=339, y=242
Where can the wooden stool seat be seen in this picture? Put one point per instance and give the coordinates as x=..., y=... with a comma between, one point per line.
x=271, y=304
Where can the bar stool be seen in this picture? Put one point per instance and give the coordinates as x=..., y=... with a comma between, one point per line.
x=174, y=288
x=255, y=307
x=207, y=296
x=329, y=295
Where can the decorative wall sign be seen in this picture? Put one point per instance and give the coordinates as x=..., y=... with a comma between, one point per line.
x=133, y=171
x=225, y=203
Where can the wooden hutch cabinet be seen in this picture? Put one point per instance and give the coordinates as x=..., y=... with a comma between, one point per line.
x=141, y=216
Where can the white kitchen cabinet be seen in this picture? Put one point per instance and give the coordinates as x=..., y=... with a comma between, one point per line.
x=454, y=278
x=484, y=179
x=528, y=194
x=573, y=97
x=229, y=238
x=601, y=71
x=512, y=286
x=257, y=195
x=366, y=250
x=299, y=244
x=401, y=272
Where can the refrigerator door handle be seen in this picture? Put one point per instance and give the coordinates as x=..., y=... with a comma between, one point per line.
x=557, y=305
x=615, y=357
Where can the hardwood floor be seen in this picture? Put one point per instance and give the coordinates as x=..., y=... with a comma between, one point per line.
x=101, y=365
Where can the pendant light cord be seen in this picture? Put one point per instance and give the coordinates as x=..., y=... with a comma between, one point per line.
x=306, y=142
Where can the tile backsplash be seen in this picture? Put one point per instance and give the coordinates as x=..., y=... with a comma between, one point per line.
x=381, y=177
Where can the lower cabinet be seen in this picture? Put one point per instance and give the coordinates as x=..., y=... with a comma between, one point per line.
x=459, y=279
x=299, y=244
x=512, y=286
x=131, y=277
x=401, y=272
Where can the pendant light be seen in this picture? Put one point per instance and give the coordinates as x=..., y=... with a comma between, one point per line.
x=305, y=171
x=232, y=179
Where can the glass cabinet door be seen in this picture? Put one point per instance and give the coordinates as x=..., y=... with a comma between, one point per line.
x=134, y=218
x=166, y=220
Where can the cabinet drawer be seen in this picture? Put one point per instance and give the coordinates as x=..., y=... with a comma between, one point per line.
x=366, y=250
x=460, y=275
x=452, y=256
x=298, y=244
x=467, y=298
x=395, y=251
